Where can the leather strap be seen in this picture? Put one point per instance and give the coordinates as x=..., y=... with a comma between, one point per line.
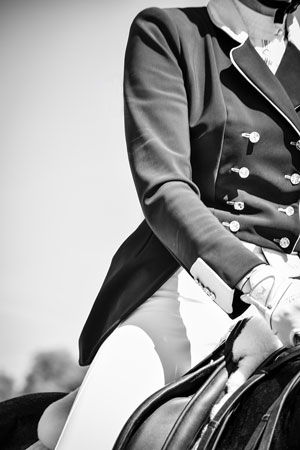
x=259, y=430
x=275, y=412
x=262, y=437
x=203, y=383
x=192, y=419
x=212, y=435
x=189, y=425
x=198, y=390
x=183, y=387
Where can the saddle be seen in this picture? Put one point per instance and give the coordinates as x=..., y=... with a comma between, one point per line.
x=261, y=414
x=197, y=412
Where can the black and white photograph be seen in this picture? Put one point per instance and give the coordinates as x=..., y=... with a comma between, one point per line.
x=150, y=225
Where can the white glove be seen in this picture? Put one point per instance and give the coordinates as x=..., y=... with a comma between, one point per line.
x=278, y=299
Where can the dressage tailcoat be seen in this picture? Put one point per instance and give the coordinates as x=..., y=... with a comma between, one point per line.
x=213, y=140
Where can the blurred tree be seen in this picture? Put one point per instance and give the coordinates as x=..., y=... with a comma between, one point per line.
x=7, y=386
x=54, y=370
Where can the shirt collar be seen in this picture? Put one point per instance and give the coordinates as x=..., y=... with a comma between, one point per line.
x=225, y=15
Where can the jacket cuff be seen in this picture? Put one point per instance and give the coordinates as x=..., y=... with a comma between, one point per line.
x=213, y=285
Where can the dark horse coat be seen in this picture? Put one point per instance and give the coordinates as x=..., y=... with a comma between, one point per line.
x=213, y=140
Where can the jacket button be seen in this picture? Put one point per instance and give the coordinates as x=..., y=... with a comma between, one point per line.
x=253, y=137
x=243, y=172
x=233, y=226
x=294, y=178
x=283, y=242
x=238, y=206
x=297, y=144
x=289, y=210
x=210, y=294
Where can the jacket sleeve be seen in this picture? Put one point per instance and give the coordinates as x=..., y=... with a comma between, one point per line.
x=158, y=142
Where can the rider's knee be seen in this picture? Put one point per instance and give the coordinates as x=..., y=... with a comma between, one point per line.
x=53, y=420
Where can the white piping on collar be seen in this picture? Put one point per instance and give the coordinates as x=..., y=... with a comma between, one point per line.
x=263, y=94
x=225, y=15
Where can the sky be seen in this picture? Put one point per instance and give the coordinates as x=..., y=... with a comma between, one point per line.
x=67, y=200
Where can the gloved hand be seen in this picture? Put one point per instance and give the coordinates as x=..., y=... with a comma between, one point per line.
x=278, y=300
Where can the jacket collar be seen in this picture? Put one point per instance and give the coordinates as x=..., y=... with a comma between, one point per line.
x=224, y=14
x=246, y=60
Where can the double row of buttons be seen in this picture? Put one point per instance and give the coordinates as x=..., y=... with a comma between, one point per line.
x=254, y=137
x=234, y=227
x=244, y=172
x=240, y=206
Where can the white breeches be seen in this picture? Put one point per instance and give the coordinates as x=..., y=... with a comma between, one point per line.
x=160, y=341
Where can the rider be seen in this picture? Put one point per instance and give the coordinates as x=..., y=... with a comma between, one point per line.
x=212, y=100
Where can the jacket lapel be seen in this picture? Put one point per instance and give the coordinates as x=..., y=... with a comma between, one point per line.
x=225, y=16
x=288, y=73
x=250, y=65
